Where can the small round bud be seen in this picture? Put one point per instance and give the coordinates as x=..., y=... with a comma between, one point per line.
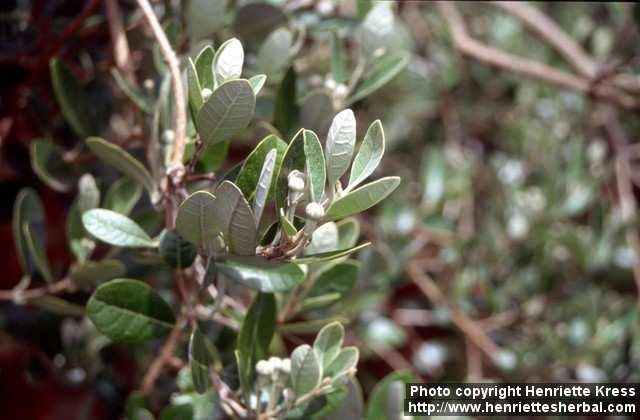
x=168, y=136
x=330, y=83
x=149, y=84
x=286, y=366
x=264, y=368
x=206, y=93
x=314, y=211
x=289, y=397
x=296, y=181
x=275, y=363
x=341, y=90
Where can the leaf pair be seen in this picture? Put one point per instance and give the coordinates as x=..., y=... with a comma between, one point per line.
x=203, y=216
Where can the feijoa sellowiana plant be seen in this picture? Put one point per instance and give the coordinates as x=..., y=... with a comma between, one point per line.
x=247, y=254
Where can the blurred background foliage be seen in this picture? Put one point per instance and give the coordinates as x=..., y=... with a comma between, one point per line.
x=504, y=255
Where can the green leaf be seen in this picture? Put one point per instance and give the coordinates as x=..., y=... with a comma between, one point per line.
x=228, y=61
x=339, y=278
x=286, y=110
x=122, y=196
x=254, y=21
x=293, y=159
x=47, y=163
x=248, y=177
x=362, y=198
x=369, y=155
x=348, y=232
x=175, y=251
x=115, y=229
x=142, y=101
x=204, y=67
x=306, y=371
x=339, y=146
x=228, y=110
x=255, y=336
x=288, y=227
x=328, y=343
x=264, y=185
x=315, y=165
x=79, y=244
x=382, y=71
x=201, y=356
x=175, y=412
x=323, y=239
x=37, y=252
x=274, y=53
x=27, y=210
x=194, y=89
x=377, y=27
x=386, y=397
x=261, y=274
x=257, y=82
x=88, y=193
x=328, y=256
x=214, y=156
x=317, y=302
x=129, y=310
x=235, y=220
x=196, y=220
x=316, y=111
x=344, y=363
x=93, y=273
x=123, y=162
x=320, y=408
x=205, y=17
x=339, y=71
x=434, y=170
x=73, y=101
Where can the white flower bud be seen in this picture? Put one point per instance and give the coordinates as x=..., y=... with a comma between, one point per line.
x=296, y=181
x=264, y=368
x=314, y=211
x=206, y=93
x=149, y=84
x=275, y=363
x=341, y=90
x=168, y=136
x=330, y=83
x=286, y=366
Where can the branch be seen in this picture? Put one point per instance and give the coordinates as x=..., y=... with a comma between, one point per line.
x=165, y=356
x=29, y=294
x=496, y=57
x=472, y=331
x=176, y=168
x=121, y=52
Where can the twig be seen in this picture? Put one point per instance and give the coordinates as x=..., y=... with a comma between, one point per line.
x=176, y=168
x=121, y=52
x=50, y=289
x=166, y=354
x=547, y=29
x=474, y=333
x=496, y=57
x=628, y=205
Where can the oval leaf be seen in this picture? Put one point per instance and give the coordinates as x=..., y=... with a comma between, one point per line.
x=328, y=343
x=204, y=67
x=194, y=90
x=196, y=220
x=339, y=147
x=362, y=198
x=228, y=61
x=274, y=53
x=315, y=165
x=201, y=356
x=228, y=111
x=27, y=210
x=306, y=371
x=175, y=251
x=72, y=99
x=293, y=159
x=261, y=274
x=235, y=220
x=264, y=185
x=344, y=363
x=122, y=161
x=382, y=71
x=122, y=196
x=93, y=273
x=257, y=82
x=247, y=179
x=129, y=310
x=115, y=229
x=47, y=163
x=369, y=155
x=255, y=336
